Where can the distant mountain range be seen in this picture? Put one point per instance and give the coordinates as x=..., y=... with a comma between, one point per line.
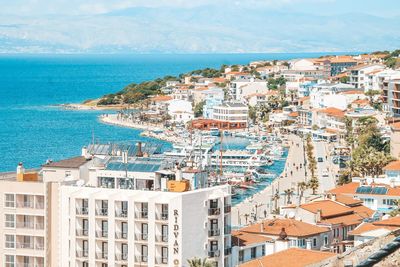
x=199, y=29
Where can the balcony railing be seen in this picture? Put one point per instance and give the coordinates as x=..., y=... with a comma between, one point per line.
x=214, y=211
x=121, y=214
x=25, y=204
x=162, y=260
x=213, y=253
x=39, y=246
x=163, y=216
x=121, y=235
x=39, y=205
x=29, y=225
x=82, y=211
x=141, y=258
x=102, y=212
x=102, y=255
x=82, y=232
x=142, y=215
x=102, y=234
x=227, y=208
x=214, y=232
x=82, y=254
x=162, y=238
x=39, y=226
x=121, y=256
x=24, y=245
x=141, y=237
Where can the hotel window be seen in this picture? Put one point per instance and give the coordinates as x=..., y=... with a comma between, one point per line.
x=214, y=203
x=124, y=208
x=10, y=261
x=144, y=252
x=85, y=248
x=85, y=227
x=104, y=250
x=145, y=230
x=10, y=220
x=164, y=211
x=104, y=228
x=10, y=241
x=10, y=200
x=124, y=230
x=164, y=232
x=164, y=255
x=253, y=252
x=314, y=242
x=85, y=264
x=144, y=209
x=241, y=256
x=301, y=242
x=124, y=251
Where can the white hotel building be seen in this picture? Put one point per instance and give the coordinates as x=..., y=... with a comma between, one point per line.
x=96, y=210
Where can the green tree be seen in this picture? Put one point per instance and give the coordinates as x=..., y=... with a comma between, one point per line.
x=302, y=186
x=197, y=262
x=198, y=109
x=344, y=79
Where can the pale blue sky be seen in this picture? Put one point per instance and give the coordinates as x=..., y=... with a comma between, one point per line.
x=138, y=26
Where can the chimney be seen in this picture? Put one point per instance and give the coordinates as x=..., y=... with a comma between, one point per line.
x=333, y=197
x=178, y=172
x=20, y=172
x=139, y=152
x=282, y=243
x=85, y=153
x=318, y=216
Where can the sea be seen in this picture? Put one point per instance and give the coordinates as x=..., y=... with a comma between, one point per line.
x=34, y=128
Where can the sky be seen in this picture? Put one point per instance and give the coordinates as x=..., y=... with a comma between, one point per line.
x=202, y=26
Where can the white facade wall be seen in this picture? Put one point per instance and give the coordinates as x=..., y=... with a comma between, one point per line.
x=187, y=222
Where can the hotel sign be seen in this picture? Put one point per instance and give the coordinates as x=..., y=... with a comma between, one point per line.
x=176, y=236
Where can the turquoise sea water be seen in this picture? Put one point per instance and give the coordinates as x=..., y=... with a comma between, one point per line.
x=32, y=129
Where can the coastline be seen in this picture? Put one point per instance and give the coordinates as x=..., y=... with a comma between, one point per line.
x=148, y=130
x=262, y=201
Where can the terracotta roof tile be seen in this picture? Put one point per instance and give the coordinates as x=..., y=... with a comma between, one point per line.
x=241, y=239
x=335, y=112
x=328, y=208
x=75, y=162
x=292, y=228
x=393, y=166
x=293, y=257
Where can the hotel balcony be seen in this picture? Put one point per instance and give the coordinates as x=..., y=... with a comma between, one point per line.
x=161, y=260
x=102, y=255
x=142, y=215
x=141, y=237
x=140, y=259
x=101, y=234
x=163, y=216
x=162, y=238
x=25, y=245
x=121, y=214
x=25, y=205
x=121, y=256
x=82, y=232
x=82, y=254
x=102, y=212
x=25, y=225
x=227, y=208
x=121, y=235
x=214, y=211
x=82, y=211
x=213, y=253
x=214, y=233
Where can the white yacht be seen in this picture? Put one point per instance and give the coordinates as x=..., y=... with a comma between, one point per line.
x=239, y=159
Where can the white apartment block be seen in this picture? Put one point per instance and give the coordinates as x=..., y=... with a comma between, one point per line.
x=243, y=87
x=359, y=75
x=22, y=222
x=110, y=227
x=232, y=112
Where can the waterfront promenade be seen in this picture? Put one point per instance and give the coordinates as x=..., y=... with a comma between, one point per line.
x=261, y=204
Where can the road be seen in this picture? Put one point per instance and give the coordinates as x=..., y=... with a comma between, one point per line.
x=326, y=170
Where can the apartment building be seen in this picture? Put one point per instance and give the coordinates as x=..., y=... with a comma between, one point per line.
x=392, y=97
x=234, y=113
x=243, y=87
x=111, y=227
x=359, y=75
x=265, y=238
x=23, y=228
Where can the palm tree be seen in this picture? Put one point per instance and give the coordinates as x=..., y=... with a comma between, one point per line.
x=275, y=198
x=313, y=184
x=197, y=262
x=302, y=186
x=288, y=193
